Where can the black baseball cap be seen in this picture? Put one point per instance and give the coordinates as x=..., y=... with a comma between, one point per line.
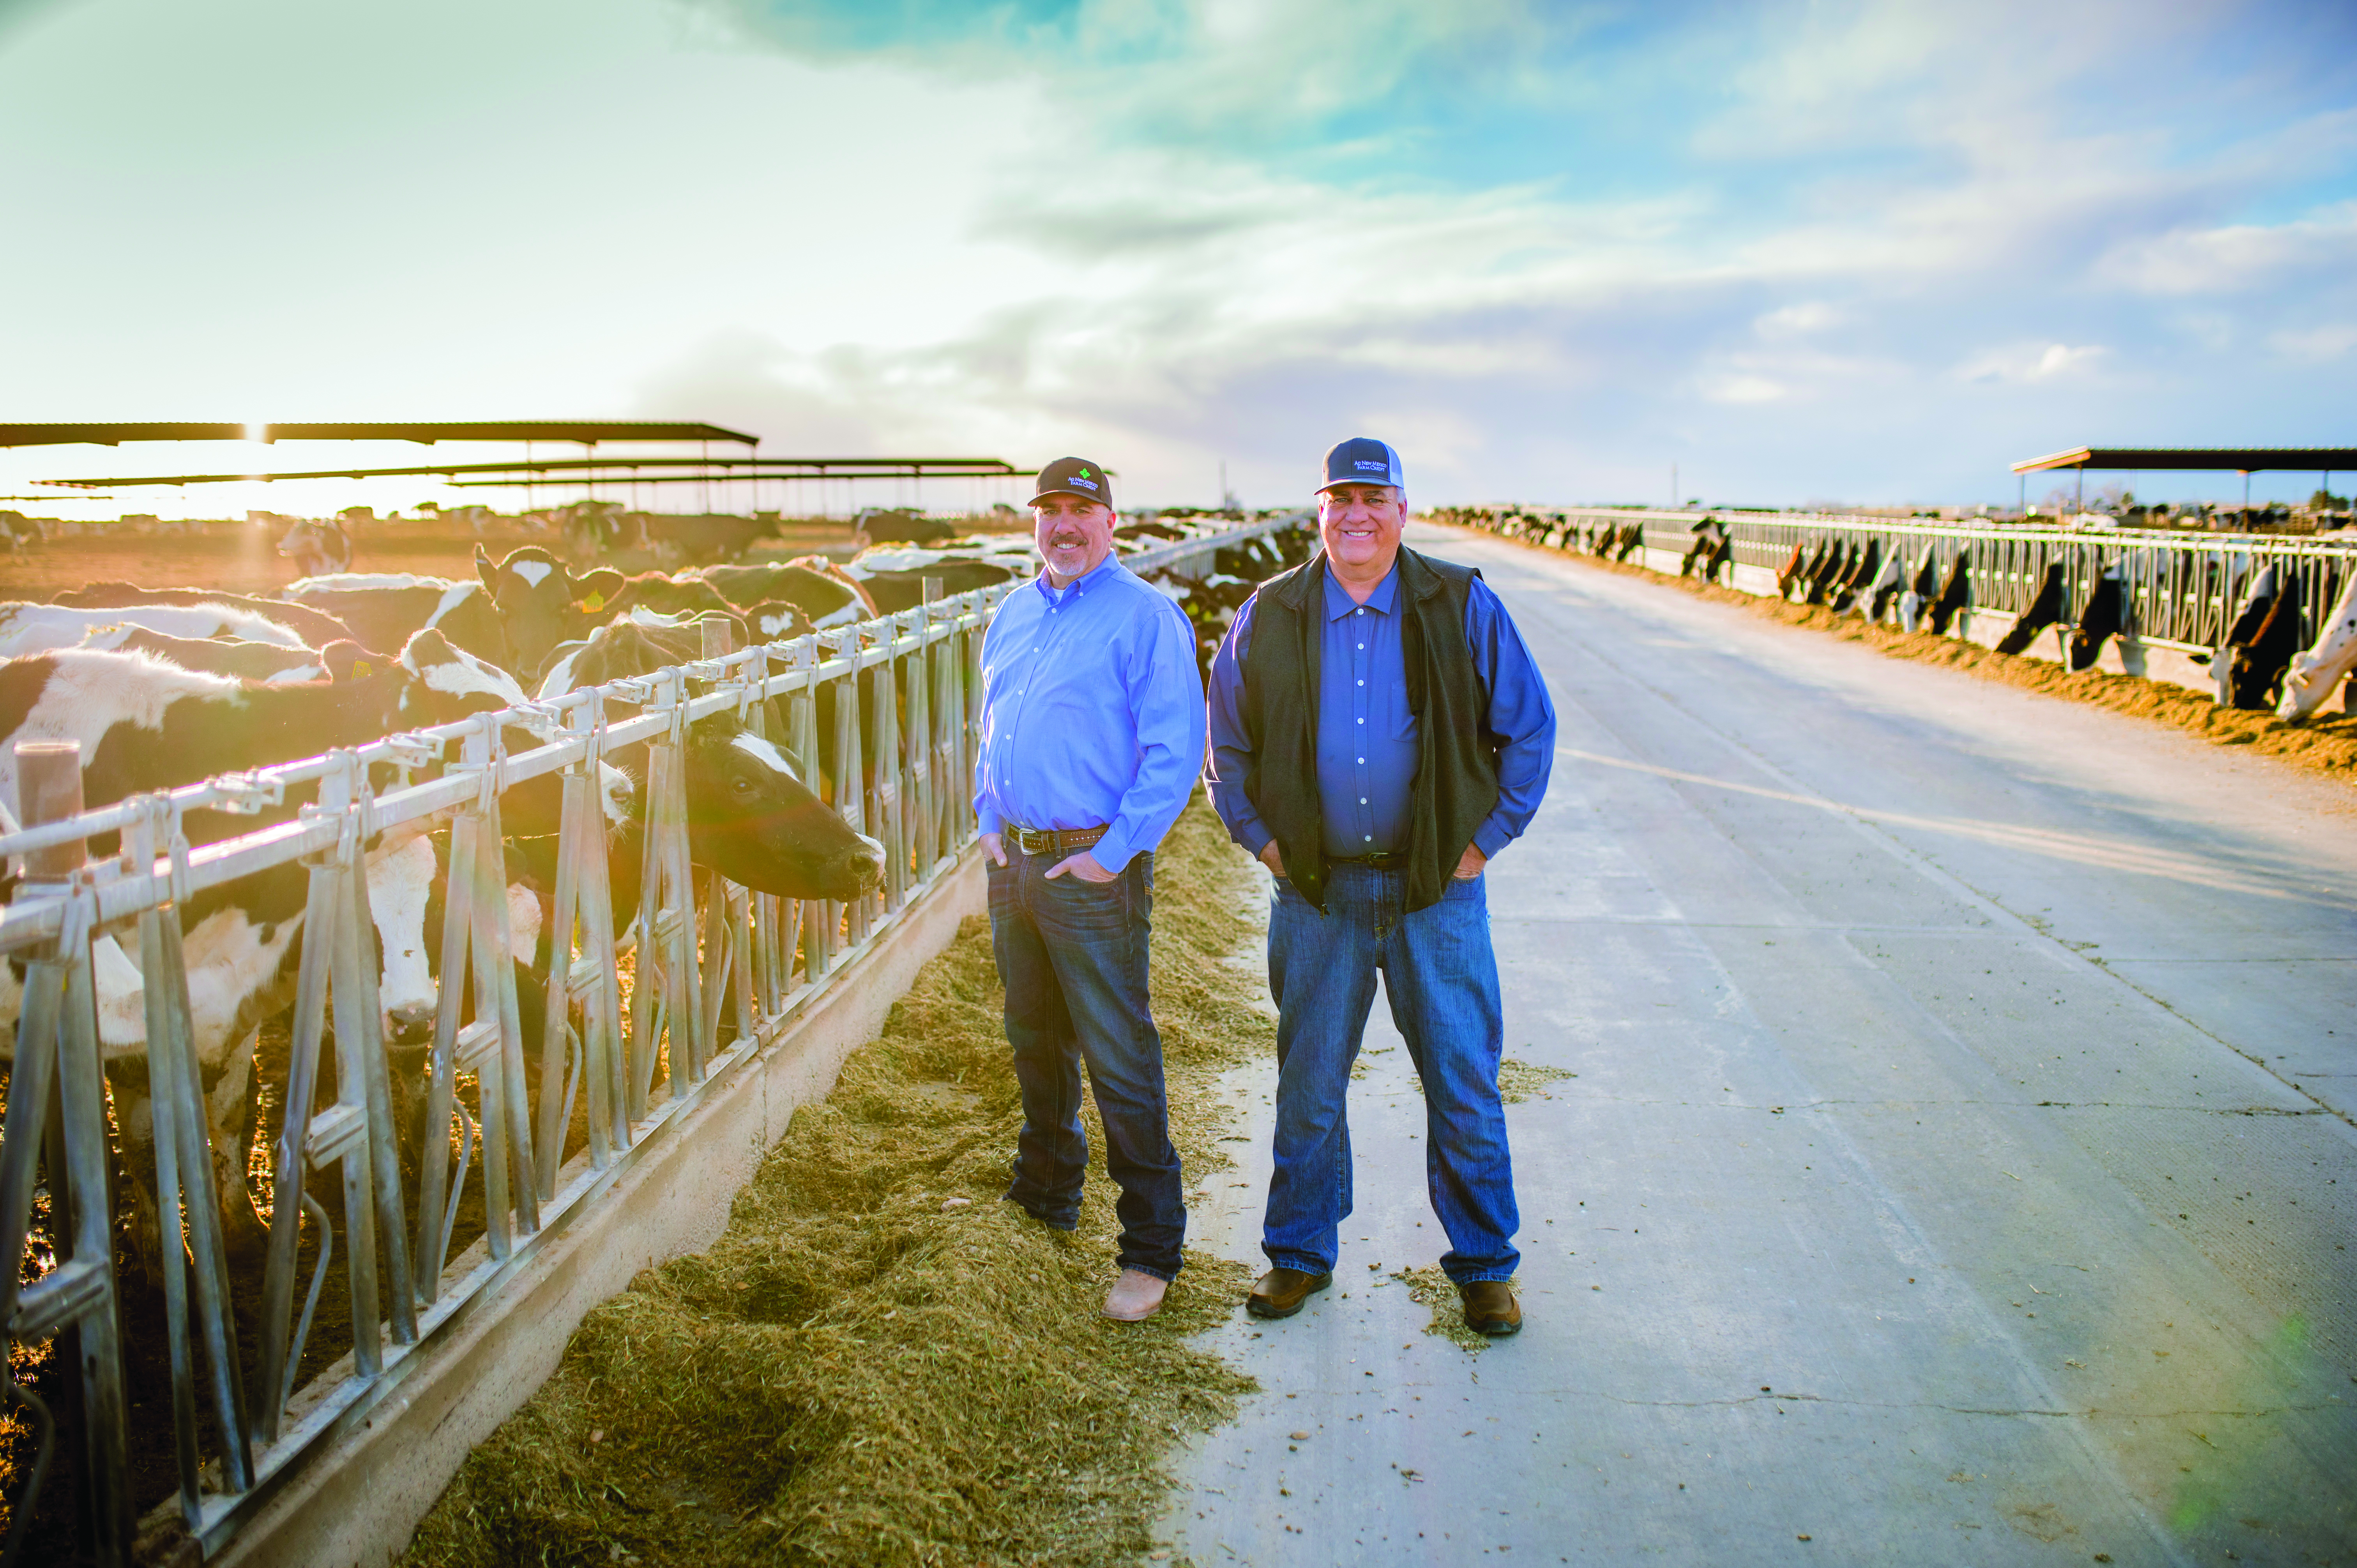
x=1074, y=477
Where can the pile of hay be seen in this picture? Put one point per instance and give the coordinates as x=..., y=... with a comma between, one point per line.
x=864, y=1369
x=2326, y=743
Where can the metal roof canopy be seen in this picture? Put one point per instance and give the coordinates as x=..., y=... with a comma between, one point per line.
x=577, y=471
x=2240, y=459
x=588, y=432
x=740, y=477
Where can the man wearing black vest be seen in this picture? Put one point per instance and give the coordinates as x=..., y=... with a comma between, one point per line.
x=1379, y=733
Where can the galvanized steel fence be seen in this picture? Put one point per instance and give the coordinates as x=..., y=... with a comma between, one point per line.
x=2184, y=588
x=902, y=757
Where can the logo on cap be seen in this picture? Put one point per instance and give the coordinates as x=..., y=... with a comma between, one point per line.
x=1078, y=480
x=1372, y=466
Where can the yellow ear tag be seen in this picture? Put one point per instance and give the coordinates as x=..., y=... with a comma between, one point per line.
x=593, y=602
x=360, y=668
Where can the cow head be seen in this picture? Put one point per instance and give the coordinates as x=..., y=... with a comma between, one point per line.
x=533, y=593
x=448, y=683
x=752, y=819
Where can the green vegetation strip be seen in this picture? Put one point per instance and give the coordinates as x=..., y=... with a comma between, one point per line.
x=2324, y=743
x=880, y=1361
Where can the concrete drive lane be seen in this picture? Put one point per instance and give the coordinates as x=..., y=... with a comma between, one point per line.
x=1959, y=1165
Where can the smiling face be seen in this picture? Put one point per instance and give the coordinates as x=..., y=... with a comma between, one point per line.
x=1074, y=535
x=1360, y=525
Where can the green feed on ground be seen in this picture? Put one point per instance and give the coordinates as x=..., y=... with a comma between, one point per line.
x=1435, y=1291
x=856, y=1373
x=2324, y=743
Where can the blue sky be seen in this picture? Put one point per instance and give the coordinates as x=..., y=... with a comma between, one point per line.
x=1866, y=252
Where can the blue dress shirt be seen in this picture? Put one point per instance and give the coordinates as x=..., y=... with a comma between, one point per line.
x=1366, y=735
x=1092, y=711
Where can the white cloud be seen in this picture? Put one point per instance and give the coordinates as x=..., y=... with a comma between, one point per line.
x=2033, y=362
x=2318, y=345
x=2236, y=257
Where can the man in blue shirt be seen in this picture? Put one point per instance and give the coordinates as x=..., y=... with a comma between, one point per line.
x=1092, y=741
x=1379, y=733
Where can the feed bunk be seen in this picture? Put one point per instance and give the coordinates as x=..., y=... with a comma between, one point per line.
x=2207, y=596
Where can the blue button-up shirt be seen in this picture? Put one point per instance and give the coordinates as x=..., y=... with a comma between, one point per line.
x=1366, y=735
x=1092, y=712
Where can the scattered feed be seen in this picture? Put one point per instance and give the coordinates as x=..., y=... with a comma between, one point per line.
x=864, y=1369
x=1518, y=1080
x=1434, y=1289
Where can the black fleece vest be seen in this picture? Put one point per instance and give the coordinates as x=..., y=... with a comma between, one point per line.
x=1455, y=786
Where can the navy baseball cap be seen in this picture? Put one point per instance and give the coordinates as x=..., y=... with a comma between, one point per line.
x=1363, y=460
x=1074, y=477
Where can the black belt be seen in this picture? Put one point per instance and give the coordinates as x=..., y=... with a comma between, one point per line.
x=1381, y=859
x=1058, y=842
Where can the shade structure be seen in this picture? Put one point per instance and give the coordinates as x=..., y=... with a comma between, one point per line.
x=587, y=431
x=2239, y=459
x=608, y=470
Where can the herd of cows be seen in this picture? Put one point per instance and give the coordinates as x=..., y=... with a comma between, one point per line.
x=162, y=687
x=2269, y=657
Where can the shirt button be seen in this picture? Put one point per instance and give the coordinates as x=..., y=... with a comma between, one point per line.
x=1362, y=721
x=1370, y=838
x=1362, y=800
x=1363, y=762
x=1362, y=682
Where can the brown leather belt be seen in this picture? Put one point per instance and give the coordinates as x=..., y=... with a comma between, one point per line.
x=1058, y=842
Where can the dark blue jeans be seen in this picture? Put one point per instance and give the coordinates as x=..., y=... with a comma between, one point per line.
x=1442, y=981
x=1073, y=957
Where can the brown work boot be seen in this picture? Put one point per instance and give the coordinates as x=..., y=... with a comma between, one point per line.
x=1280, y=1292
x=1491, y=1308
x=1136, y=1297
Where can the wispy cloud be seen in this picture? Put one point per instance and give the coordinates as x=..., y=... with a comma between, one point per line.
x=1868, y=246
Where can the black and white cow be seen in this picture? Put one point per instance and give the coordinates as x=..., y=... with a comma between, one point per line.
x=27, y=629
x=1956, y=594
x=751, y=815
x=2312, y=675
x=534, y=594
x=317, y=548
x=315, y=629
x=383, y=610
x=826, y=593
x=2045, y=609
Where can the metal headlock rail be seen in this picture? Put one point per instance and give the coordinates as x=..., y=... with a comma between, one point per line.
x=752, y=961
x=2185, y=587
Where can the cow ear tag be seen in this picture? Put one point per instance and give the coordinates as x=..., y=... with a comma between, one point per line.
x=593, y=603
x=361, y=669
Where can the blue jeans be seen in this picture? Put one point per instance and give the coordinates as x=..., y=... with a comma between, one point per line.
x=1073, y=957
x=1442, y=981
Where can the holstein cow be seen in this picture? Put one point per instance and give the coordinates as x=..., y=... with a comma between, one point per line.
x=1860, y=576
x=2105, y=617
x=1888, y=584
x=2044, y=610
x=2265, y=638
x=384, y=609
x=247, y=661
x=605, y=592
x=317, y=548
x=1956, y=594
x=1921, y=589
x=2313, y=674
x=534, y=594
x=825, y=592
x=749, y=814
x=888, y=527
x=895, y=591
x=315, y=629
x=146, y=726
x=1709, y=535
x=1792, y=571
x=27, y=629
